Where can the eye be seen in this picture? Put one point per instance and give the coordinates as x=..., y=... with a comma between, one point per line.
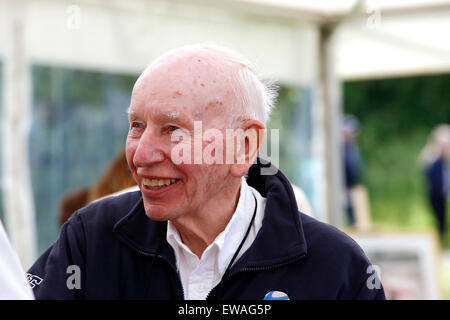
x=170, y=129
x=173, y=128
x=136, y=128
x=136, y=125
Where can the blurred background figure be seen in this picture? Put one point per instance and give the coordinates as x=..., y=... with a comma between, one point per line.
x=302, y=201
x=115, y=178
x=356, y=196
x=352, y=161
x=435, y=156
x=71, y=202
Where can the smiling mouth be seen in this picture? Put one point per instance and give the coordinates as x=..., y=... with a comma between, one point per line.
x=156, y=184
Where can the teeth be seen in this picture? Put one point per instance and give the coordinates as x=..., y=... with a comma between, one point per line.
x=157, y=183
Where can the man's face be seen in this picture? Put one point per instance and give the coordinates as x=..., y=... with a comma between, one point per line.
x=167, y=99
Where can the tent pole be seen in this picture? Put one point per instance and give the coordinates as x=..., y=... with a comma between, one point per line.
x=17, y=189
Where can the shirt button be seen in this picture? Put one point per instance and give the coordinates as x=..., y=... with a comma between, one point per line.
x=201, y=287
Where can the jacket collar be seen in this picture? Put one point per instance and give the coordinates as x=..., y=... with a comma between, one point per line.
x=280, y=240
x=144, y=235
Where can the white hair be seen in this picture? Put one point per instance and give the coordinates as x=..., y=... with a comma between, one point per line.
x=255, y=97
x=438, y=137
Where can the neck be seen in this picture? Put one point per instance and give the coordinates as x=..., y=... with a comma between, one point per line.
x=198, y=230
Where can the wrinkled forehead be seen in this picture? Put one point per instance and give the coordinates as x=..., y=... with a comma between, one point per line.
x=200, y=71
x=196, y=84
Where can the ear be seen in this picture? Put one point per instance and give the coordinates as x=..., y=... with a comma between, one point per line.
x=248, y=140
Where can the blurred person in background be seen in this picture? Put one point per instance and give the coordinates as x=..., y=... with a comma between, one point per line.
x=13, y=283
x=352, y=162
x=115, y=178
x=434, y=157
x=71, y=202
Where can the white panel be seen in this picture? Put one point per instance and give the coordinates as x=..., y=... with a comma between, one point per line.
x=3, y=28
x=114, y=37
x=398, y=44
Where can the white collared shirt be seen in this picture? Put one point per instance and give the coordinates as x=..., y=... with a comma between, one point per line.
x=200, y=276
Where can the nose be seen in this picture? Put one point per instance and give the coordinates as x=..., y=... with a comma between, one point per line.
x=149, y=150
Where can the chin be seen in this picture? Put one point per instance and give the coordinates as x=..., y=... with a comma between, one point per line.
x=158, y=212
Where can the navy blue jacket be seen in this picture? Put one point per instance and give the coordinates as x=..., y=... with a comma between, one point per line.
x=123, y=254
x=436, y=175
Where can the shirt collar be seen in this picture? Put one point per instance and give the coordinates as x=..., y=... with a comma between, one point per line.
x=227, y=242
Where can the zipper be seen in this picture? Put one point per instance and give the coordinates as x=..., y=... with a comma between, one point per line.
x=169, y=263
x=248, y=269
x=176, y=275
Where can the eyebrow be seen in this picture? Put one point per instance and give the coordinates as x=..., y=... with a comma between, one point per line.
x=130, y=112
x=175, y=116
x=165, y=117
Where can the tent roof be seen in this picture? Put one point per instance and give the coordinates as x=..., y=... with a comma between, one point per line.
x=410, y=41
x=381, y=38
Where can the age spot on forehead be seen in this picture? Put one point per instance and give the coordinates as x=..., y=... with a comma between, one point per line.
x=213, y=104
x=177, y=94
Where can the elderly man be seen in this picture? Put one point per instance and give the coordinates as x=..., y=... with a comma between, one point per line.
x=208, y=221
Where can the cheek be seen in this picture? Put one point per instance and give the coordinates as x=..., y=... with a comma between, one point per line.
x=213, y=176
x=198, y=176
x=130, y=150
